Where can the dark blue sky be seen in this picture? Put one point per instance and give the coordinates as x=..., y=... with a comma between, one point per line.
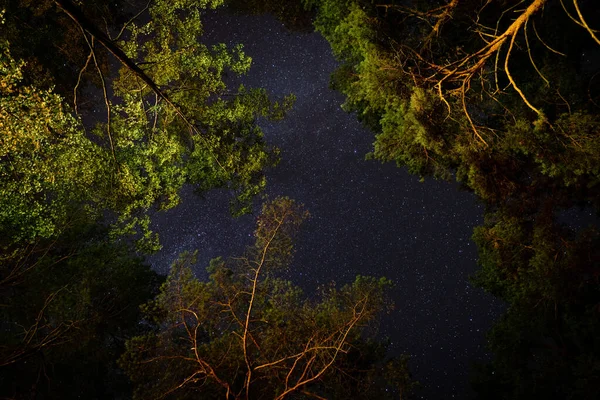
x=366, y=218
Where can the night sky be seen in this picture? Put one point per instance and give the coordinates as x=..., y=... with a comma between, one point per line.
x=366, y=217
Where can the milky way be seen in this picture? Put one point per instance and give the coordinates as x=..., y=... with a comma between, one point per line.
x=366, y=218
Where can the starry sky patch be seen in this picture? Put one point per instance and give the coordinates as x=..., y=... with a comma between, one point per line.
x=367, y=218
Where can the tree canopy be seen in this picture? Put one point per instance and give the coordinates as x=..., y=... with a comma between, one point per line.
x=105, y=113
x=504, y=97
x=107, y=108
x=67, y=307
x=168, y=119
x=436, y=81
x=248, y=334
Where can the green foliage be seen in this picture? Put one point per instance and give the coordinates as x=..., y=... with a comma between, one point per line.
x=498, y=97
x=189, y=128
x=393, y=76
x=80, y=142
x=247, y=332
x=227, y=148
x=66, y=308
x=545, y=345
x=47, y=165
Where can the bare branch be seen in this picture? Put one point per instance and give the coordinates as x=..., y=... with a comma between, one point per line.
x=126, y=24
x=510, y=78
x=302, y=381
x=104, y=91
x=87, y=62
x=584, y=23
x=69, y=8
x=531, y=57
x=463, y=70
x=251, y=303
x=544, y=43
x=40, y=335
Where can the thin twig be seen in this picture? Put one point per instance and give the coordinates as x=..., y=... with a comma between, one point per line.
x=104, y=91
x=87, y=62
